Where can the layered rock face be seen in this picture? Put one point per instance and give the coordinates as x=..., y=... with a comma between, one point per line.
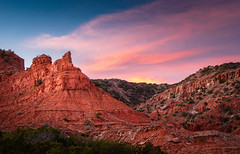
x=202, y=112
x=10, y=63
x=206, y=100
x=60, y=95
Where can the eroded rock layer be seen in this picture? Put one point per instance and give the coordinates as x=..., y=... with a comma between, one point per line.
x=60, y=95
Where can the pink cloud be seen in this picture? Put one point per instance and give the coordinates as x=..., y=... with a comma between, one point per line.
x=147, y=38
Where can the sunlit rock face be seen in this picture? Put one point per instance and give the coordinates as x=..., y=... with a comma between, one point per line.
x=206, y=100
x=60, y=95
x=10, y=63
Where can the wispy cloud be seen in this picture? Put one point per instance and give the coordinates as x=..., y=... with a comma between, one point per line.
x=153, y=41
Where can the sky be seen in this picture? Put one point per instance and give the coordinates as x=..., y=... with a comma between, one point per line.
x=153, y=41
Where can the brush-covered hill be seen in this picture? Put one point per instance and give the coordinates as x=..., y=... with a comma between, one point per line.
x=206, y=100
x=130, y=93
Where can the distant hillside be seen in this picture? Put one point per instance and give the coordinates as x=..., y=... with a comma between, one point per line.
x=129, y=92
x=206, y=100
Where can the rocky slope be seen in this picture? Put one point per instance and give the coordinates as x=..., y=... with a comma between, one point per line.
x=207, y=100
x=60, y=95
x=10, y=64
x=130, y=93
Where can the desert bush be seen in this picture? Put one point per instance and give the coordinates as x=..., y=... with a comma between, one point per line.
x=225, y=89
x=184, y=113
x=209, y=91
x=98, y=114
x=87, y=123
x=237, y=117
x=49, y=140
x=38, y=82
x=222, y=81
x=225, y=119
x=202, y=139
x=7, y=59
x=65, y=119
x=227, y=108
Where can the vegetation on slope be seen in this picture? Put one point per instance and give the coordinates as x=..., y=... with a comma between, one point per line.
x=206, y=100
x=130, y=93
x=218, y=69
x=4, y=55
x=50, y=140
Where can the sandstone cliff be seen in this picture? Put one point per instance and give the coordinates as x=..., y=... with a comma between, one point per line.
x=10, y=64
x=206, y=100
x=60, y=95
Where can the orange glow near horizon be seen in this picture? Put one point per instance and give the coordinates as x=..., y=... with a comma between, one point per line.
x=142, y=80
x=144, y=44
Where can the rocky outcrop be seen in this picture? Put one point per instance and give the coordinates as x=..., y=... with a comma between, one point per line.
x=206, y=100
x=60, y=95
x=10, y=63
x=130, y=93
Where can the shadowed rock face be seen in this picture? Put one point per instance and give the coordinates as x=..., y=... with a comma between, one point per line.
x=130, y=93
x=60, y=95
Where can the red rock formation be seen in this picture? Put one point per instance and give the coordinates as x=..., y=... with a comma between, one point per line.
x=60, y=95
x=10, y=63
x=206, y=100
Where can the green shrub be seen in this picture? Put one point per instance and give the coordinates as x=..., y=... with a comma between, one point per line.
x=65, y=119
x=49, y=140
x=87, y=123
x=222, y=81
x=199, y=97
x=190, y=101
x=227, y=108
x=38, y=82
x=98, y=114
x=202, y=139
x=225, y=89
x=225, y=119
x=193, y=116
x=172, y=95
x=184, y=124
x=19, y=113
x=7, y=59
x=229, y=130
x=209, y=91
x=226, y=99
x=2, y=53
x=237, y=117
x=184, y=114
x=193, y=93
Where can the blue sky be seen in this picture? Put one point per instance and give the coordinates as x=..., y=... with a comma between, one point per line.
x=56, y=17
x=23, y=19
x=138, y=40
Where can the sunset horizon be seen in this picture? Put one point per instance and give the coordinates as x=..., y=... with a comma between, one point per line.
x=120, y=76
x=150, y=41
